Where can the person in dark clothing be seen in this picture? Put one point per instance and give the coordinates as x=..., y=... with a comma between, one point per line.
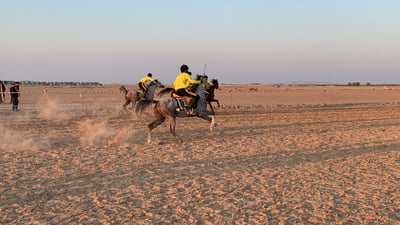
x=14, y=92
x=2, y=92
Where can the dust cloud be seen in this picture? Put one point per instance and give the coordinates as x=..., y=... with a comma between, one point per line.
x=20, y=140
x=100, y=133
x=51, y=110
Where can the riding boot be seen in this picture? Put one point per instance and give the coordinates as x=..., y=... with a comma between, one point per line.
x=144, y=94
x=193, y=103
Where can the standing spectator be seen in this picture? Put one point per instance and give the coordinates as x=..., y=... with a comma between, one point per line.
x=2, y=92
x=14, y=92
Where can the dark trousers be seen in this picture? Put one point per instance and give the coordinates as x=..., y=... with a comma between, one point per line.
x=14, y=102
x=141, y=86
x=185, y=92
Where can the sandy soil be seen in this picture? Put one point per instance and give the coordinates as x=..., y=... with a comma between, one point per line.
x=287, y=155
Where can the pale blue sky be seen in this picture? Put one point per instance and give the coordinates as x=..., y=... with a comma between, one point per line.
x=265, y=41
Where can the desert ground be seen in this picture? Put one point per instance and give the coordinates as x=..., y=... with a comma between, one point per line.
x=282, y=155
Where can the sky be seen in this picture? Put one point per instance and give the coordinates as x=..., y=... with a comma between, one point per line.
x=235, y=41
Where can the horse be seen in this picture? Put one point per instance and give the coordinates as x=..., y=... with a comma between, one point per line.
x=253, y=89
x=208, y=88
x=133, y=96
x=167, y=108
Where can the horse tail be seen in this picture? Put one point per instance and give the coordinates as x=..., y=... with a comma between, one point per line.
x=123, y=89
x=165, y=91
x=142, y=104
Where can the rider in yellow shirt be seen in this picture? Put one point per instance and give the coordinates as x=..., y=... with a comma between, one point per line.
x=143, y=83
x=181, y=84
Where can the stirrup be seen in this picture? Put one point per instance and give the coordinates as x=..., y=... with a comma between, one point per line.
x=190, y=111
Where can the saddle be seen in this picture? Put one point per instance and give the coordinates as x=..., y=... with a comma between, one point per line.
x=182, y=102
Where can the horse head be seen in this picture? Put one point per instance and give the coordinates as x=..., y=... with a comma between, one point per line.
x=159, y=84
x=215, y=83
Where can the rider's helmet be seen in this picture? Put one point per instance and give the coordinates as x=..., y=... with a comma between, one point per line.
x=184, y=68
x=149, y=75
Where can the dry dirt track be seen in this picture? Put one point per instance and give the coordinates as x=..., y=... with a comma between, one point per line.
x=337, y=164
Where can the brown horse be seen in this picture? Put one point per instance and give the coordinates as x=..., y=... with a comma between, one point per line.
x=166, y=109
x=252, y=89
x=133, y=96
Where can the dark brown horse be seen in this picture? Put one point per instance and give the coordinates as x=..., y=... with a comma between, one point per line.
x=133, y=96
x=166, y=109
x=210, y=96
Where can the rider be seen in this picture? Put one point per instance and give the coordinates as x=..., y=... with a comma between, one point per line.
x=144, y=82
x=207, y=85
x=181, y=84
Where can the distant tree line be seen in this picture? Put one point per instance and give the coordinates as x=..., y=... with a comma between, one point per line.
x=353, y=84
x=54, y=83
x=357, y=84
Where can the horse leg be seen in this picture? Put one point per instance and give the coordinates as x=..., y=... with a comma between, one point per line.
x=219, y=106
x=211, y=107
x=172, y=125
x=211, y=120
x=153, y=125
x=126, y=104
x=133, y=103
x=212, y=123
x=216, y=100
x=140, y=105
